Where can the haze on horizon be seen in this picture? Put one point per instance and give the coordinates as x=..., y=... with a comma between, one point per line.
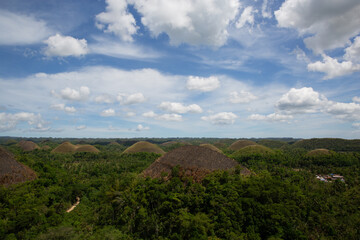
x=180, y=68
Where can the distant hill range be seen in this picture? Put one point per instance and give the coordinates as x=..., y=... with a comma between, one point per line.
x=335, y=144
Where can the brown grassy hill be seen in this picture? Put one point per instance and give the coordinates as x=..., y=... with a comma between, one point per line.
x=210, y=146
x=143, y=146
x=28, y=145
x=46, y=147
x=318, y=152
x=114, y=144
x=86, y=148
x=255, y=149
x=193, y=161
x=65, y=147
x=11, y=171
x=240, y=144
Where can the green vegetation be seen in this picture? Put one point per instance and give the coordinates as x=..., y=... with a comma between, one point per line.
x=281, y=200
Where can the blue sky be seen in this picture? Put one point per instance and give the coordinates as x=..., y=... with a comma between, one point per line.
x=180, y=68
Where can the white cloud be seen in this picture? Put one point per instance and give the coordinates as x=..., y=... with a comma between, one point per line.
x=18, y=29
x=8, y=121
x=126, y=99
x=356, y=99
x=352, y=53
x=166, y=117
x=203, y=84
x=247, y=16
x=180, y=108
x=130, y=114
x=356, y=125
x=81, y=127
x=222, y=118
x=116, y=19
x=65, y=46
x=63, y=107
x=105, y=98
x=330, y=23
x=303, y=100
x=332, y=68
x=108, y=112
x=72, y=94
x=242, y=97
x=265, y=11
x=273, y=117
x=345, y=111
x=200, y=22
x=141, y=128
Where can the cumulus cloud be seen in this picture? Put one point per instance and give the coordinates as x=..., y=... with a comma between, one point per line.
x=141, y=128
x=116, y=19
x=330, y=23
x=108, y=112
x=180, y=108
x=303, y=100
x=18, y=29
x=166, y=117
x=332, y=68
x=126, y=99
x=273, y=117
x=352, y=53
x=73, y=94
x=9, y=121
x=345, y=111
x=222, y=118
x=63, y=107
x=200, y=22
x=241, y=97
x=65, y=46
x=247, y=16
x=265, y=11
x=105, y=98
x=81, y=127
x=356, y=125
x=203, y=84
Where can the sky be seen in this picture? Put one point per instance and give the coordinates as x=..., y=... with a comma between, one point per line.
x=180, y=68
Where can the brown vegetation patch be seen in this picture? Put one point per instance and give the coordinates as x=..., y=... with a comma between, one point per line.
x=210, y=146
x=143, y=146
x=67, y=147
x=86, y=148
x=114, y=144
x=319, y=152
x=241, y=144
x=255, y=149
x=11, y=171
x=28, y=145
x=193, y=161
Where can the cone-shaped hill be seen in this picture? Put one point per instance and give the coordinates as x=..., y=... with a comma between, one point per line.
x=28, y=145
x=318, y=152
x=143, y=146
x=241, y=144
x=210, y=146
x=67, y=147
x=193, y=161
x=254, y=149
x=11, y=171
x=86, y=148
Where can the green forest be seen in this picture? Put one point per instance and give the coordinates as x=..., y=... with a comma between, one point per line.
x=281, y=199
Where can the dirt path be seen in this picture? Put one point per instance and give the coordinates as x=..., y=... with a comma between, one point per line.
x=74, y=206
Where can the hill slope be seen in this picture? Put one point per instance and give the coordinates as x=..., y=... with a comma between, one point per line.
x=143, y=146
x=240, y=144
x=11, y=171
x=193, y=161
x=28, y=145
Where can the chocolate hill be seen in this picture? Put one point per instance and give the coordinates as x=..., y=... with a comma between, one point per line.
x=193, y=161
x=28, y=145
x=210, y=146
x=67, y=147
x=11, y=171
x=319, y=152
x=255, y=149
x=240, y=144
x=143, y=146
